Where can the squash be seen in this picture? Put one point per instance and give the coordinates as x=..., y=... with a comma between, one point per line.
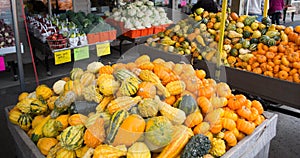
x=63, y=119
x=68, y=86
x=52, y=128
x=245, y=126
x=201, y=128
x=123, y=103
x=146, y=90
x=187, y=104
x=176, y=87
x=37, y=132
x=181, y=137
x=105, y=151
x=244, y=112
x=266, y=21
x=14, y=115
x=264, y=39
x=230, y=138
x=148, y=107
x=58, y=86
x=38, y=107
x=52, y=152
x=214, y=116
x=22, y=96
x=218, y=147
x=158, y=132
x=104, y=102
x=76, y=73
x=176, y=116
x=138, y=150
x=116, y=120
x=198, y=146
x=95, y=133
x=24, y=105
x=65, y=153
x=82, y=151
x=236, y=102
x=122, y=74
x=246, y=34
x=50, y=102
x=258, y=106
x=24, y=121
x=71, y=138
x=106, y=69
x=45, y=144
x=130, y=130
x=43, y=91
x=204, y=104
x=223, y=90
x=77, y=119
x=193, y=119
x=228, y=123
x=108, y=86
x=62, y=103
x=230, y=114
x=91, y=93
x=87, y=78
x=129, y=86
x=271, y=42
x=94, y=67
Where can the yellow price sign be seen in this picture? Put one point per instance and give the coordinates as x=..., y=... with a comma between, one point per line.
x=63, y=56
x=103, y=49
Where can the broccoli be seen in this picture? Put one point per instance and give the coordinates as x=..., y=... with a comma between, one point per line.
x=198, y=146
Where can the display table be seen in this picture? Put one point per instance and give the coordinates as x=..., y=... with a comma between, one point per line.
x=255, y=145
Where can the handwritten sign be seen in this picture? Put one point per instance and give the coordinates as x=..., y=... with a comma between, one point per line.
x=2, y=64
x=63, y=56
x=81, y=53
x=103, y=49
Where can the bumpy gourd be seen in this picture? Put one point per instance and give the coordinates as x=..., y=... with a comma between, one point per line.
x=52, y=128
x=43, y=91
x=108, y=86
x=24, y=105
x=158, y=132
x=72, y=137
x=38, y=107
x=148, y=107
x=176, y=87
x=138, y=150
x=122, y=103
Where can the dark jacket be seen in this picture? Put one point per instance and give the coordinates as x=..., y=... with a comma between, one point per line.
x=208, y=5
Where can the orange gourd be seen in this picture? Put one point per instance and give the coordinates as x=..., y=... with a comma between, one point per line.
x=147, y=90
x=193, y=119
x=245, y=126
x=146, y=66
x=258, y=106
x=228, y=123
x=77, y=119
x=95, y=133
x=107, y=69
x=204, y=104
x=201, y=74
x=130, y=130
x=63, y=119
x=206, y=91
x=201, y=128
x=236, y=102
x=223, y=90
x=230, y=138
x=170, y=100
x=259, y=120
x=244, y=112
x=230, y=114
x=216, y=127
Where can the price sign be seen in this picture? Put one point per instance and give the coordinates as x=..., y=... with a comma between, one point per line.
x=62, y=56
x=81, y=53
x=2, y=64
x=103, y=49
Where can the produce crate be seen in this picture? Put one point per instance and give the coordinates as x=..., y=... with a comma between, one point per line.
x=92, y=38
x=255, y=145
x=57, y=44
x=107, y=36
x=265, y=87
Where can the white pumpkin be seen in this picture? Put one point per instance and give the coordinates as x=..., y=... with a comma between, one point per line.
x=94, y=67
x=58, y=86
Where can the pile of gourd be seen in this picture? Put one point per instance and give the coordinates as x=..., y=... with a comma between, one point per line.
x=144, y=109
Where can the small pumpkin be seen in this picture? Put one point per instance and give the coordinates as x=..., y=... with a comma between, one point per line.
x=77, y=119
x=45, y=144
x=230, y=138
x=235, y=102
x=223, y=90
x=22, y=96
x=130, y=130
x=244, y=112
x=58, y=86
x=245, y=126
x=201, y=128
x=228, y=123
x=106, y=69
x=204, y=104
x=258, y=106
x=193, y=119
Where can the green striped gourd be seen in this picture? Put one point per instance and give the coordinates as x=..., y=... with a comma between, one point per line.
x=24, y=121
x=129, y=86
x=76, y=73
x=87, y=78
x=116, y=120
x=72, y=137
x=122, y=74
x=52, y=128
x=123, y=103
x=91, y=93
x=38, y=107
x=24, y=105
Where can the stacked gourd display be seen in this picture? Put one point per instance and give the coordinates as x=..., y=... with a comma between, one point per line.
x=259, y=47
x=144, y=109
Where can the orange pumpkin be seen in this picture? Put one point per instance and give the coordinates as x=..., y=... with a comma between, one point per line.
x=201, y=74
x=236, y=132
x=236, y=102
x=146, y=66
x=204, y=104
x=107, y=69
x=228, y=123
x=258, y=106
x=193, y=119
x=244, y=112
x=245, y=126
x=170, y=100
x=240, y=136
x=230, y=114
x=147, y=90
x=206, y=91
x=297, y=29
x=259, y=120
x=230, y=138
x=223, y=90
x=254, y=114
x=130, y=130
x=201, y=128
x=216, y=127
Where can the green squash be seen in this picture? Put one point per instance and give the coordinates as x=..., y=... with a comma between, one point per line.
x=148, y=107
x=204, y=21
x=38, y=107
x=129, y=86
x=271, y=42
x=266, y=21
x=254, y=40
x=276, y=38
x=234, y=52
x=72, y=137
x=159, y=132
x=249, y=20
x=52, y=128
x=187, y=104
x=264, y=31
x=246, y=44
x=264, y=39
x=24, y=121
x=246, y=34
x=122, y=74
x=253, y=47
x=116, y=120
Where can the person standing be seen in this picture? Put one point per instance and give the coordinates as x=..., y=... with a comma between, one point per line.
x=256, y=8
x=275, y=10
x=208, y=5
